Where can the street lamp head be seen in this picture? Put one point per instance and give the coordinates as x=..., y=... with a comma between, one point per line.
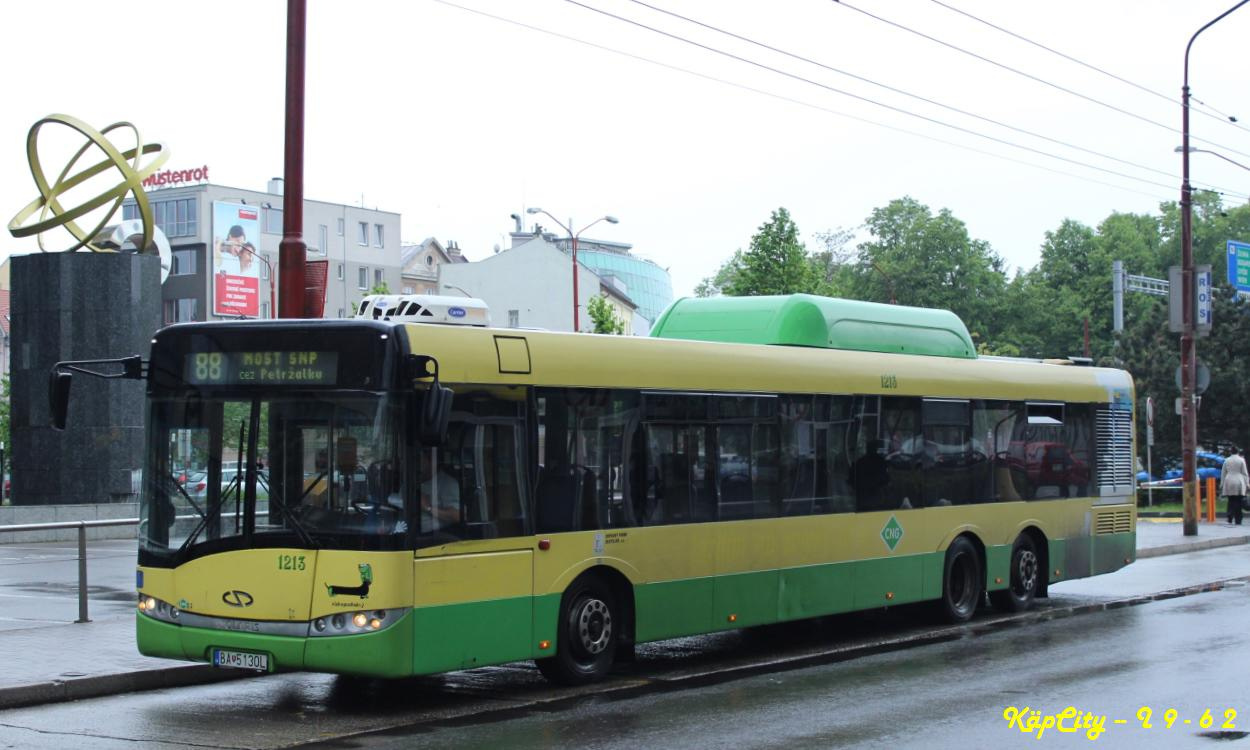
x=612, y=220
x=533, y=210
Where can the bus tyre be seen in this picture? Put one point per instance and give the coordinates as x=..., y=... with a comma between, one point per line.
x=963, y=583
x=586, y=639
x=1025, y=577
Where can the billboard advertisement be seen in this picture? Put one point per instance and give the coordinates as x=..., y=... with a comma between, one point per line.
x=236, y=268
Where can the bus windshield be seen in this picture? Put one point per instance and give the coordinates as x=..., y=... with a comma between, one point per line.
x=250, y=470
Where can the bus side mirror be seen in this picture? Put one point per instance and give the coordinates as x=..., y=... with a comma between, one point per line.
x=435, y=414
x=58, y=397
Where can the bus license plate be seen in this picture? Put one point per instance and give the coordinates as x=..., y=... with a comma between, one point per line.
x=240, y=660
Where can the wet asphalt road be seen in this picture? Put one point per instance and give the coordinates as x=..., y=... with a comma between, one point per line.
x=883, y=690
x=39, y=582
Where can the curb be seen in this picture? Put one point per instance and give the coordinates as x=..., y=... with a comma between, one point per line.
x=186, y=675
x=1196, y=546
x=96, y=686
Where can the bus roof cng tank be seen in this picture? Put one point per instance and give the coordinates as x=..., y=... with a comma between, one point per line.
x=824, y=322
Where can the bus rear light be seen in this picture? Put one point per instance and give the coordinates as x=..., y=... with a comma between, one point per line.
x=544, y=645
x=360, y=619
x=889, y=595
x=544, y=544
x=733, y=618
x=998, y=579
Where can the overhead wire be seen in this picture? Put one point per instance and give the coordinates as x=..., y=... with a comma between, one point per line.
x=1030, y=76
x=900, y=110
x=1214, y=113
x=902, y=92
x=810, y=105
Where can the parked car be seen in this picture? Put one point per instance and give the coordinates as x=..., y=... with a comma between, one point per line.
x=1209, y=466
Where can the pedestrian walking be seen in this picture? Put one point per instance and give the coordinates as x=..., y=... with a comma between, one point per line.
x=1234, y=480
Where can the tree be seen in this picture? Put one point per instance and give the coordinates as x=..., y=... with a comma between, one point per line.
x=603, y=315
x=724, y=276
x=776, y=262
x=929, y=261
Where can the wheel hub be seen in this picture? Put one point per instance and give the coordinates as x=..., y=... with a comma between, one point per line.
x=594, y=626
x=1026, y=571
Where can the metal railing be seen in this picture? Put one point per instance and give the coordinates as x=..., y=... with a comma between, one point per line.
x=82, y=527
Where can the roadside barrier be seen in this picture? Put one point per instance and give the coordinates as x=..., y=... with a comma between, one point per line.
x=82, y=527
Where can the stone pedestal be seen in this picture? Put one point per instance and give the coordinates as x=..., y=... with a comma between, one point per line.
x=71, y=306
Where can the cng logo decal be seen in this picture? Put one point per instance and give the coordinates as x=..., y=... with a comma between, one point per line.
x=366, y=580
x=892, y=533
x=237, y=598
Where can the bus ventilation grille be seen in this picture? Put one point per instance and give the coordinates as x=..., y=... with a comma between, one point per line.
x=1113, y=432
x=1114, y=522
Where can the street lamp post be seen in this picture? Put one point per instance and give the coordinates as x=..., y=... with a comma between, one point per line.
x=573, y=238
x=1189, y=416
x=273, y=301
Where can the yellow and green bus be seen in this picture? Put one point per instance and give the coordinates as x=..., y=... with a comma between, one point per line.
x=417, y=498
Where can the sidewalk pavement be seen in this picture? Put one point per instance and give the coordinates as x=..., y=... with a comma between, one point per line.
x=52, y=663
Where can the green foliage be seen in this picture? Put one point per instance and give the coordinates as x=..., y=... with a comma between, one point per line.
x=928, y=260
x=776, y=262
x=724, y=276
x=603, y=315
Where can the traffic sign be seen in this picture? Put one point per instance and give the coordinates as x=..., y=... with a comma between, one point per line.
x=1203, y=306
x=1202, y=378
x=1239, y=265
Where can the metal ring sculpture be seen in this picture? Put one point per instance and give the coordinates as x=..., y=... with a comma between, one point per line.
x=52, y=214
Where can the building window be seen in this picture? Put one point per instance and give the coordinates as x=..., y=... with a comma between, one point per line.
x=363, y=281
x=180, y=310
x=273, y=221
x=264, y=266
x=340, y=272
x=340, y=227
x=514, y=318
x=176, y=218
x=429, y=260
x=378, y=279
x=323, y=237
x=264, y=310
x=341, y=313
x=182, y=262
x=362, y=236
x=407, y=290
x=378, y=236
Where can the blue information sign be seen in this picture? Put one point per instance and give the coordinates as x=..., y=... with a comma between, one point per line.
x=1239, y=265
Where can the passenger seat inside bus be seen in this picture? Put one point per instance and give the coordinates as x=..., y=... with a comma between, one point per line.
x=563, y=494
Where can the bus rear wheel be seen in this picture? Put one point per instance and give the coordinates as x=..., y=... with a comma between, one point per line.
x=587, y=635
x=962, y=582
x=1025, y=577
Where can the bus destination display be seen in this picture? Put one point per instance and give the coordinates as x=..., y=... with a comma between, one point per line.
x=262, y=368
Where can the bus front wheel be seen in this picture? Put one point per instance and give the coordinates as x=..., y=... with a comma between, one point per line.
x=962, y=581
x=1025, y=577
x=587, y=635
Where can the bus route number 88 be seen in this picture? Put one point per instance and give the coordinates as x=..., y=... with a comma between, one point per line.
x=208, y=366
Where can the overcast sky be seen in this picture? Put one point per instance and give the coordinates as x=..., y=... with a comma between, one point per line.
x=457, y=118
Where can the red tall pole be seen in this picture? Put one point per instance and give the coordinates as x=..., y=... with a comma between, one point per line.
x=292, y=252
x=1189, y=359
